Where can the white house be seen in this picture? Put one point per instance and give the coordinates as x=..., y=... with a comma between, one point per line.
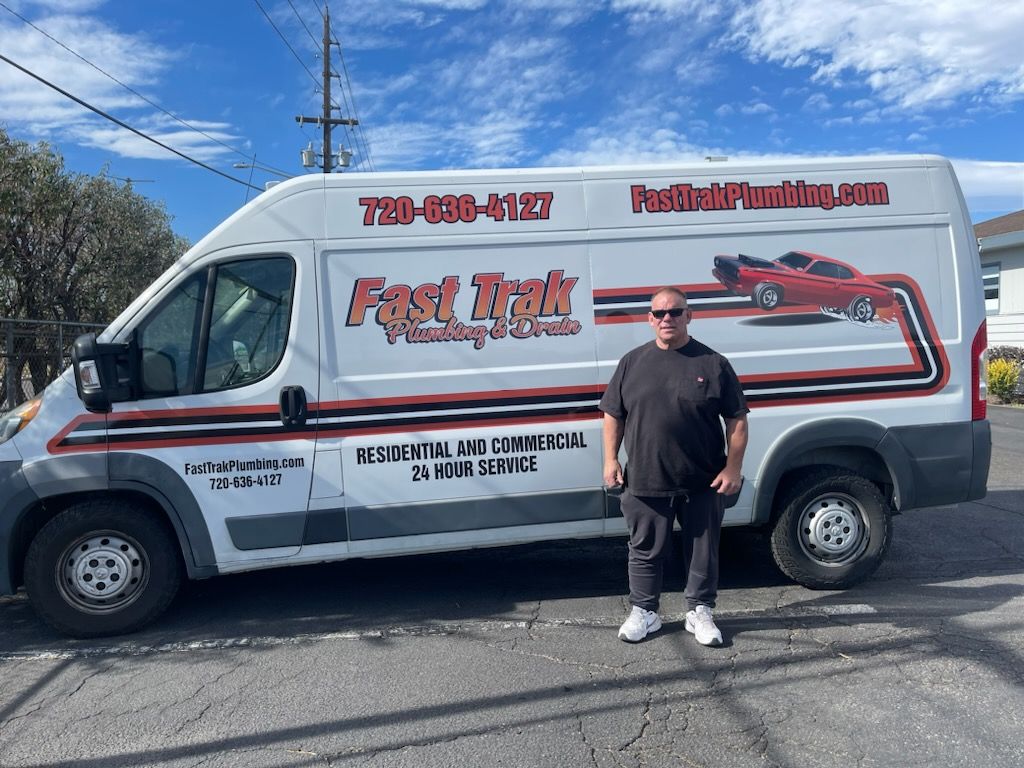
x=1001, y=243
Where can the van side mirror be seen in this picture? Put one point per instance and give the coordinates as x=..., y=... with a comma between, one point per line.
x=104, y=373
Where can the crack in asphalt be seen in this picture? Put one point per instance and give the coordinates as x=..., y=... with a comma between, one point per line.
x=426, y=630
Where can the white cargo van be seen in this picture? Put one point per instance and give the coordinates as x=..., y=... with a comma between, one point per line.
x=381, y=364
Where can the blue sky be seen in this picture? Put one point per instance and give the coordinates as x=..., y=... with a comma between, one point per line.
x=487, y=83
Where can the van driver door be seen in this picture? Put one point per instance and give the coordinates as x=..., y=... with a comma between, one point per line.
x=228, y=368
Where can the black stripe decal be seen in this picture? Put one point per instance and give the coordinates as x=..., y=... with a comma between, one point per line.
x=697, y=309
x=632, y=298
x=415, y=421
x=934, y=370
x=309, y=430
x=502, y=402
x=173, y=421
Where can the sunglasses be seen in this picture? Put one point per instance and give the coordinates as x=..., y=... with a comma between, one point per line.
x=674, y=312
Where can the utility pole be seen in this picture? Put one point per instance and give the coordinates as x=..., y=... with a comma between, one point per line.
x=326, y=120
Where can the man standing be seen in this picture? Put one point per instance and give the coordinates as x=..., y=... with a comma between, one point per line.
x=668, y=399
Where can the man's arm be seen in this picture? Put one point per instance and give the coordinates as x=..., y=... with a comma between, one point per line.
x=613, y=430
x=729, y=479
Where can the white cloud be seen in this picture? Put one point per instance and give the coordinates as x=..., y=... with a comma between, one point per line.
x=929, y=57
x=859, y=104
x=131, y=59
x=67, y=6
x=124, y=143
x=401, y=145
x=839, y=121
x=988, y=178
x=498, y=139
x=42, y=112
x=476, y=124
x=757, y=108
x=595, y=147
x=647, y=11
x=817, y=102
x=367, y=24
x=556, y=13
x=448, y=5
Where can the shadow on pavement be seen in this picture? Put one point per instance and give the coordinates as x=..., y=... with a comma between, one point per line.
x=976, y=539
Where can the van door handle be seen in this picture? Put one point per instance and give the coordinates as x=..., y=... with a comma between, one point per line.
x=293, y=406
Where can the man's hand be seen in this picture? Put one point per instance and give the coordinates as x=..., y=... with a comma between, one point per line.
x=612, y=431
x=729, y=479
x=727, y=482
x=612, y=474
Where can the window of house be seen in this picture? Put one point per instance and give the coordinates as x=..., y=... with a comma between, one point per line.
x=990, y=282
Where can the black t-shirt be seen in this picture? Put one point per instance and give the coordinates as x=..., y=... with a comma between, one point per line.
x=672, y=402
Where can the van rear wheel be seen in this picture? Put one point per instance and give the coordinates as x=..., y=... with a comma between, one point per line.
x=102, y=567
x=833, y=530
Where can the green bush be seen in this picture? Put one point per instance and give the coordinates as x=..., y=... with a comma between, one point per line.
x=1002, y=378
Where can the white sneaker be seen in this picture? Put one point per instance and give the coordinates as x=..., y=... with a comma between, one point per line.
x=701, y=625
x=639, y=624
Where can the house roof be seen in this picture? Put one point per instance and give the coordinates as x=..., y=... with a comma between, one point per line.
x=1011, y=222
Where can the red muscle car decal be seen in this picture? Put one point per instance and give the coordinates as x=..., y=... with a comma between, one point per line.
x=801, y=277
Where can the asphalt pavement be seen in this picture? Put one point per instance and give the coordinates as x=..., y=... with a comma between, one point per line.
x=509, y=657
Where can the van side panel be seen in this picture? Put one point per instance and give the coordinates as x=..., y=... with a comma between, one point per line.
x=460, y=369
x=813, y=371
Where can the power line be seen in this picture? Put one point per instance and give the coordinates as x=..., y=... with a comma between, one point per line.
x=303, y=23
x=123, y=85
x=355, y=112
x=121, y=123
x=285, y=41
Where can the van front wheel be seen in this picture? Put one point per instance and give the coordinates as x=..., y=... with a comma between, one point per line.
x=833, y=530
x=102, y=567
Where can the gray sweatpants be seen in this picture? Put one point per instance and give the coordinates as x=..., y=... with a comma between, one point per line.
x=649, y=521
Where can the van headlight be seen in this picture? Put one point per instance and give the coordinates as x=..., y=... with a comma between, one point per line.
x=13, y=422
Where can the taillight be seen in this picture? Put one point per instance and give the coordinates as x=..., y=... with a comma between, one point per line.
x=979, y=373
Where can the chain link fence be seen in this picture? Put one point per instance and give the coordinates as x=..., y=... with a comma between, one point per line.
x=35, y=352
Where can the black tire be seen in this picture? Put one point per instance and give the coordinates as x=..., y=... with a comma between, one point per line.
x=768, y=296
x=861, y=309
x=132, y=574
x=833, y=529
